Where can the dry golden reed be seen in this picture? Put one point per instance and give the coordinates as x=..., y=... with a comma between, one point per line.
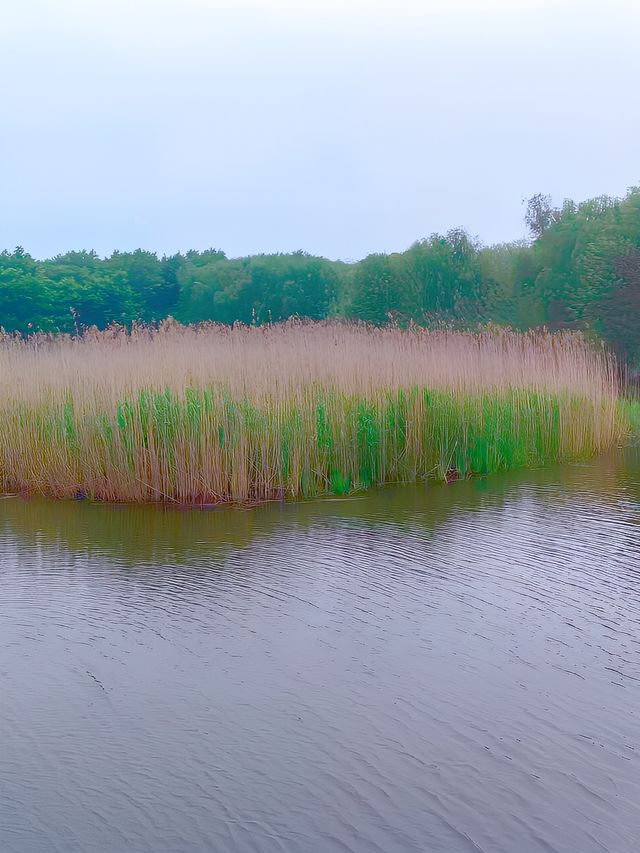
x=211, y=413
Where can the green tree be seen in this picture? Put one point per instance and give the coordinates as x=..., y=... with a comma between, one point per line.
x=616, y=314
x=377, y=293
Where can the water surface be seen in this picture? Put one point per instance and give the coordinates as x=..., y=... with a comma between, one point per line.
x=439, y=669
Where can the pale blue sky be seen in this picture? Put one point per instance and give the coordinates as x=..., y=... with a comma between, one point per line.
x=341, y=128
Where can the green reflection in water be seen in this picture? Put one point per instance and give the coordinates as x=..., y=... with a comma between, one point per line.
x=136, y=534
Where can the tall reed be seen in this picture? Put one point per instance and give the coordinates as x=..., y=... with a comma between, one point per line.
x=210, y=413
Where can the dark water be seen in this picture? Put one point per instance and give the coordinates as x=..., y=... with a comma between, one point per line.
x=446, y=669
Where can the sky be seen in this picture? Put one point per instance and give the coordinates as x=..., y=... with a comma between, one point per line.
x=341, y=127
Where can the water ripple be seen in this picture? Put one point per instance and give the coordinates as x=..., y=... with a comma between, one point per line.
x=454, y=669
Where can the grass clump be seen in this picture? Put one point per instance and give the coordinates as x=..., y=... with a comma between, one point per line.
x=212, y=414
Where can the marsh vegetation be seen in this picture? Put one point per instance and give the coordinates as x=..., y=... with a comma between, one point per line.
x=210, y=414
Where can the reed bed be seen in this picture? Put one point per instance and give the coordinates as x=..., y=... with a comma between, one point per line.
x=211, y=414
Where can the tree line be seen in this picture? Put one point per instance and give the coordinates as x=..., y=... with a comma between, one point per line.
x=579, y=269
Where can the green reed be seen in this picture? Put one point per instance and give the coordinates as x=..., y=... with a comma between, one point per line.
x=205, y=445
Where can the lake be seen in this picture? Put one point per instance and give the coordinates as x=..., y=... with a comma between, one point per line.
x=444, y=669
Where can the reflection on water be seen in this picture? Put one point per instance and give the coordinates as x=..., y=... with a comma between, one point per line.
x=445, y=669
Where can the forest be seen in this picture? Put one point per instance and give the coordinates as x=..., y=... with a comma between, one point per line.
x=578, y=269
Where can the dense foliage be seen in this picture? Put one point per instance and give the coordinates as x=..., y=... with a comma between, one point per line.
x=580, y=270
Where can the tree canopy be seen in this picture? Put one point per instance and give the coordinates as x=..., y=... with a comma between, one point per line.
x=580, y=269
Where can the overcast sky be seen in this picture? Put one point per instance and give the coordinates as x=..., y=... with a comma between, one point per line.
x=336, y=126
